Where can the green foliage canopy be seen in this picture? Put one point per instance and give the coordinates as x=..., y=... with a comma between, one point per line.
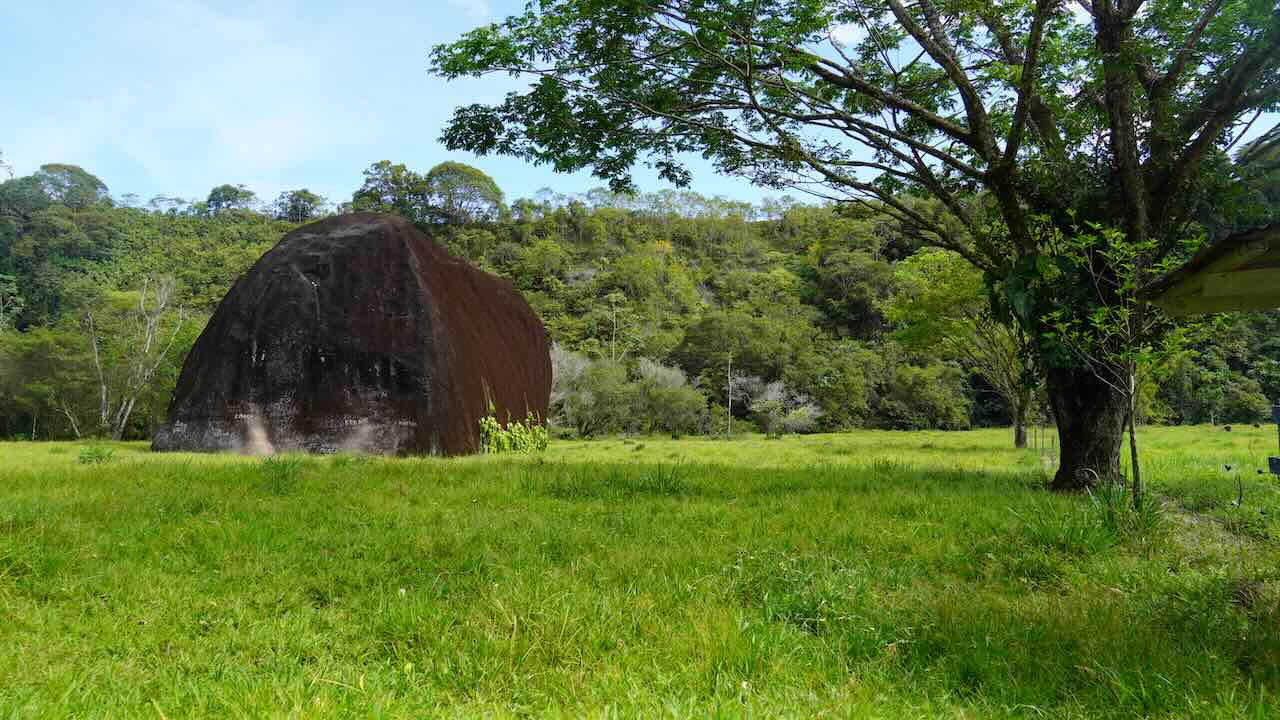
x=229, y=197
x=298, y=206
x=451, y=193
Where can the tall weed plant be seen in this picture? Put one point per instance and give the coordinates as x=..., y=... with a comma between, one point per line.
x=529, y=436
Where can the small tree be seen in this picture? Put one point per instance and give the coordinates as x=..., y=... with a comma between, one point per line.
x=566, y=367
x=941, y=306
x=130, y=337
x=621, y=326
x=778, y=409
x=767, y=402
x=48, y=377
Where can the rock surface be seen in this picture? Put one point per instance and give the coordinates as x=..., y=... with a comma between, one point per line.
x=359, y=333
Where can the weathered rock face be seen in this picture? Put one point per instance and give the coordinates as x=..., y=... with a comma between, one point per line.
x=359, y=333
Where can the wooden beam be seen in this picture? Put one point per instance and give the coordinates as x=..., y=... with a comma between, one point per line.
x=1223, y=292
x=1193, y=283
x=1242, y=282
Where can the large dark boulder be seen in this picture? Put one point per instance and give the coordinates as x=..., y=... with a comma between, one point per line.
x=359, y=333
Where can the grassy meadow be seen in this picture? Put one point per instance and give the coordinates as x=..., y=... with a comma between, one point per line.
x=870, y=574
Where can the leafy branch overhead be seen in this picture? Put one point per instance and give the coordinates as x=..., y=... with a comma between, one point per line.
x=1050, y=106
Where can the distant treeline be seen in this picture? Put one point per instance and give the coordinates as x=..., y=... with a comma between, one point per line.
x=661, y=306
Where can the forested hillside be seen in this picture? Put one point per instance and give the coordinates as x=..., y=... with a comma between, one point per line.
x=825, y=318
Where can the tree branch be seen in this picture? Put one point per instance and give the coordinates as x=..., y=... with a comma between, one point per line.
x=943, y=53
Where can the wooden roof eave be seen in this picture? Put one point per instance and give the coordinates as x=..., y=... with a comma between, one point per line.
x=1239, y=273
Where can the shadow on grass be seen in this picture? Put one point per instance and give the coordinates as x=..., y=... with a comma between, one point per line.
x=592, y=480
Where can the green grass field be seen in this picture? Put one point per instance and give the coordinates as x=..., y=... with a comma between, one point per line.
x=872, y=574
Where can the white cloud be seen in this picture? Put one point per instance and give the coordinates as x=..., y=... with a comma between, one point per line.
x=478, y=9
x=255, y=100
x=1081, y=14
x=846, y=34
x=61, y=138
x=239, y=97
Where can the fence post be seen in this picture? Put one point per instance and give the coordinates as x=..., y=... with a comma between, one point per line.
x=1274, y=462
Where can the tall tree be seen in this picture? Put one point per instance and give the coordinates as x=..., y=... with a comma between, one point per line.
x=394, y=189
x=229, y=197
x=1023, y=119
x=71, y=185
x=461, y=194
x=20, y=199
x=129, y=336
x=298, y=206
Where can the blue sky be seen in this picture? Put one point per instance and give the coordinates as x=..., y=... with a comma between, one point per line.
x=176, y=96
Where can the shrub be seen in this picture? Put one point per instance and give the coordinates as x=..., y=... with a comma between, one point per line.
x=673, y=409
x=1112, y=505
x=95, y=455
x=566, y=367
x=931, y=397
x=601, y=401
x=777, y=409
x=717, y=421
x=801, y=419
x=599, y=397
x=280, y=474
x=768, y=415
x=656, y=374
x=529, y=436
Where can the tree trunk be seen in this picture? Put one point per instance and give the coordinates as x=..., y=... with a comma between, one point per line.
x=1091, y=418
x=1020, y=421
x=75, y=426
x=1135, y=467
x=1133, y=461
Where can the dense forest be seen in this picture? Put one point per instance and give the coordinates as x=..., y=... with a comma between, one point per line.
x=670, y=312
